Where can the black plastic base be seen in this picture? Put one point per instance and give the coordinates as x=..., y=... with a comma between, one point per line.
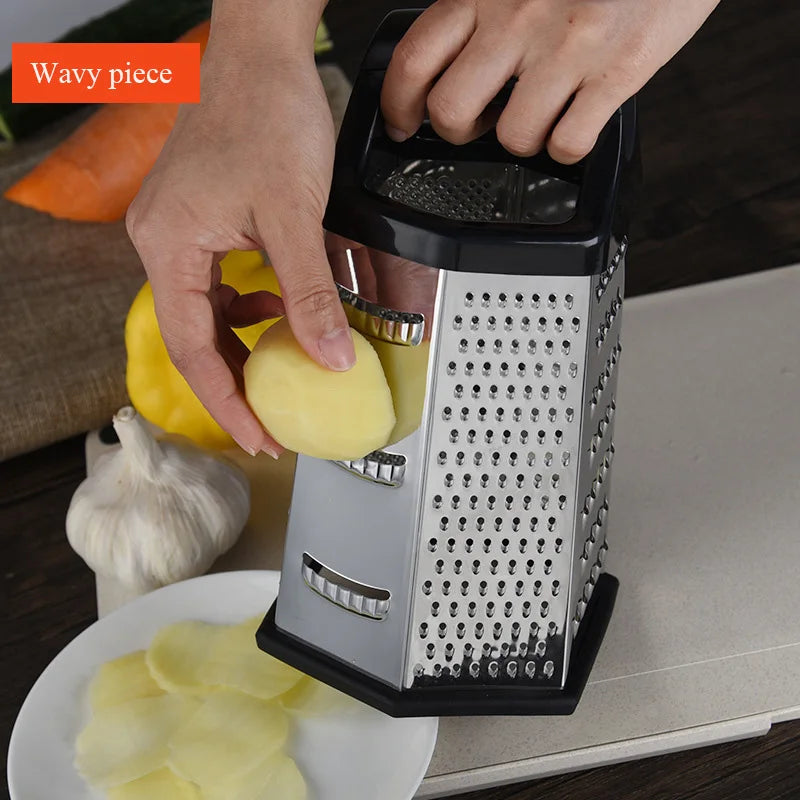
x=454, y=701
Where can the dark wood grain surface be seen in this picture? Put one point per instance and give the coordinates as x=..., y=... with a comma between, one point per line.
x=721, y=139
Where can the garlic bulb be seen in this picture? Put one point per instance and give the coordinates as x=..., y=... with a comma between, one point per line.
x=155, y=512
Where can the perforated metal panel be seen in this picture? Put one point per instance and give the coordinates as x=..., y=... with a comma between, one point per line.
x=597, y=445
x=477, y=192
x=490, y=600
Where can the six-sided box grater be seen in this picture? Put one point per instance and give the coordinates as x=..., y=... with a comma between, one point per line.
x=460, y=569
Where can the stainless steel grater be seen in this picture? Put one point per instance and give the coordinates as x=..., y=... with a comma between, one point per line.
x=460, y=570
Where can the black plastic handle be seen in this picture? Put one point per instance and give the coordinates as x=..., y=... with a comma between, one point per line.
x=578, y=246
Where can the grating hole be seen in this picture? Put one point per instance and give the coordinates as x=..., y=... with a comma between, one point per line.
x=529, y=565
x=523, y=545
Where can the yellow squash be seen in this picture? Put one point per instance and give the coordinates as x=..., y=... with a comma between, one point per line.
x=156, y=389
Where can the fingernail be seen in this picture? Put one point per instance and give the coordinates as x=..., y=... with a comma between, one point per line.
x=336, y=350
x=270, y=451
x=248, y=449
x=395, y=134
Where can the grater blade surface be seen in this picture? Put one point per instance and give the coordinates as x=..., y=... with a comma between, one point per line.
x=477, y=191
x=498, y=505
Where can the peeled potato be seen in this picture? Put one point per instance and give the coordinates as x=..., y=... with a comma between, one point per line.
x=311, y=697
x=406, y=371
x=236, y=662
x=178, y=653
x=126, y=741
x=230, y=734
x=275, y=778
x=121, y=680
x=163, y=784
x=313, y=410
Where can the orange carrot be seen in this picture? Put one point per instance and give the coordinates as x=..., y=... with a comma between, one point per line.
x=94, y=174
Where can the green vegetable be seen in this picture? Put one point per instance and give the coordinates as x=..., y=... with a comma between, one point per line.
x=136, y=21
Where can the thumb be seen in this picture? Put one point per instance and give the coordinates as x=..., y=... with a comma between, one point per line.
x=309, y=293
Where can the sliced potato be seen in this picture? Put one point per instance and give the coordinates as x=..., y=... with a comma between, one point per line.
x=177, y=655
x=230, y=734
x=126, y=741
x=406, y=370
x=311, y=698
x=276, y=778
x=163, y=784
x=236, y=662
x=313, y=410
x=122, y=679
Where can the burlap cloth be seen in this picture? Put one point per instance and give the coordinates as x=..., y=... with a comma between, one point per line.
x=65, y=289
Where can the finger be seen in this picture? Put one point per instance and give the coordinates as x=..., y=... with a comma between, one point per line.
x=233, y=349
x=250, y=309
x=313, y=307
x=539, y=96
x=188, y=327
x=457, y=103
x=576, y=132
x=437, y=36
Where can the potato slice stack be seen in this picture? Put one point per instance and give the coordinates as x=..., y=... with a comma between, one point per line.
x=202, y=714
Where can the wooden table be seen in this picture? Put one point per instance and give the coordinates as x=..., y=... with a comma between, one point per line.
x=721, y=127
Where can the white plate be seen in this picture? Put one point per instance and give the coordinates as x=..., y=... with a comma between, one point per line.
x=349, y=756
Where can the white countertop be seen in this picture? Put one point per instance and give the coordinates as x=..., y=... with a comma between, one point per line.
x=704, y=645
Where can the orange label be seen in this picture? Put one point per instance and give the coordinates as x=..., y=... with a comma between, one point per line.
x=105, y=73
